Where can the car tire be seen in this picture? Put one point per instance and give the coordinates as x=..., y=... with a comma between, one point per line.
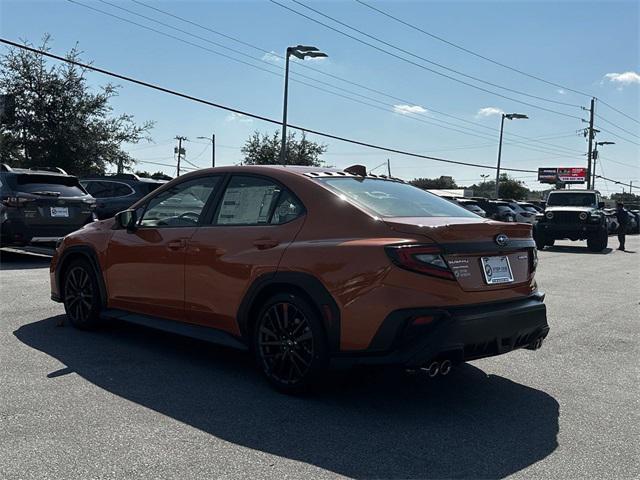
x=539, y=239
x=290, y=343
x=598, y=241
x=81, y=295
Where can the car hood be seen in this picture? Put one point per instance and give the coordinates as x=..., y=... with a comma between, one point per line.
x=458, y=229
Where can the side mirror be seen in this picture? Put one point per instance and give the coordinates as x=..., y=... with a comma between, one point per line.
x=127, y=219
x=600, y=205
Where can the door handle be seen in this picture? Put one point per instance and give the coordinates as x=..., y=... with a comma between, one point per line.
x=265, y=243
x=177, y=244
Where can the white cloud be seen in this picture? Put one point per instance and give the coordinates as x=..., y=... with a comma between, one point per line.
x=561, y=91
x=408, y=109
x=271, y=57
x=489, y=112
x=623, y=79
x=238, y=117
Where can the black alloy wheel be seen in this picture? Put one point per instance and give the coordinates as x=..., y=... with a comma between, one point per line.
x=81, y=296
x=289, y=343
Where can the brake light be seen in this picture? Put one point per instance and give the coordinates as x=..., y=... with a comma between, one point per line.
x=16, y=201
x=533, y=260
x=425, y=259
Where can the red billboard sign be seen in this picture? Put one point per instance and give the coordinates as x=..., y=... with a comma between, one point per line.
x=562, y=174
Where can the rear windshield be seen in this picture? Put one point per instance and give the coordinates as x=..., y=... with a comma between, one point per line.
x=572, y=199
x=48, y=185
x=393, y=199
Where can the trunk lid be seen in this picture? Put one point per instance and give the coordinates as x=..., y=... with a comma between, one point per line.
x=466, y=241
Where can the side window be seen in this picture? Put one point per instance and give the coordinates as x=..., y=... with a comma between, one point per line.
x=248, y=201
x=98, y=189
x=121, y=190
x=180, y=205
x=288, y=208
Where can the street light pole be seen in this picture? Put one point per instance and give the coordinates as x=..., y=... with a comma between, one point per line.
x=213, y=147
x=594, y=156
x=301, y=52
x=283, y=146
x=497, y=194
x=508, y=116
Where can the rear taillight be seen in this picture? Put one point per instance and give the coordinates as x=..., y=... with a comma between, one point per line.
x=533, y=260
x=16, y=201
x=425, y=259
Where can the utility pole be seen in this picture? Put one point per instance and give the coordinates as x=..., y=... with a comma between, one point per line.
x=179, y=151
x=591, y=136
x=389, y=168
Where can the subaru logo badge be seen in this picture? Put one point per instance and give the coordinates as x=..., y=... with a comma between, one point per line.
x=502, y=240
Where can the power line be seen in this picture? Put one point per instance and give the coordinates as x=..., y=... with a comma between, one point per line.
x=444, y=67
x=619, y=163
x=387, y=52
x=616, y=125
x=618, y=111
x=249, y=114
x=495, y=62
x=429, y=120
x=618, y=136
x=460, y=47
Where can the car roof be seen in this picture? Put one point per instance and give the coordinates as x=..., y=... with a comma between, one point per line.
x=127, y=177
x=34, y=171
x=573, y=191
x=282, y=171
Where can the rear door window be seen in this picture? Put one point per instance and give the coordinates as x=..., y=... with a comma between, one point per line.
x=250, y=201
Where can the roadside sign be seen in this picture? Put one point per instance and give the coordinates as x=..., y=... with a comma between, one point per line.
x=547, y=175
x=572, y=175
x=562, y=174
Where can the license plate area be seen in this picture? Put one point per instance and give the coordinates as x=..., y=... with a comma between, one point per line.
x=59, y=212
x=496, y=270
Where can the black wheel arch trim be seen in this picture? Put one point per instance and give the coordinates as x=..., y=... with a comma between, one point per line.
x=317, y=293
x=89, y=254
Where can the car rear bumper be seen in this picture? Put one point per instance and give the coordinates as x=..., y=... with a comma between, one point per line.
x=457, y=333
x=16, y=232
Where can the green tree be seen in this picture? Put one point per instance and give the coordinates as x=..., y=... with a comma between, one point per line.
x=58, y=120
x=510, y=188
x=444, y=182
x=263, y=149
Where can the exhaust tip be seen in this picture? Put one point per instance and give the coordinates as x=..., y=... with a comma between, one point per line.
x=445, y=367
x=432, y=370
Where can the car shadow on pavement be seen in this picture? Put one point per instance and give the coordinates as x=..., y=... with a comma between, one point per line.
x=371, y=424
x=22, y=261
x=571, y=249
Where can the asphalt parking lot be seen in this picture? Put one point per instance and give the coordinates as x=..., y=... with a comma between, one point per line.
x=125, y=402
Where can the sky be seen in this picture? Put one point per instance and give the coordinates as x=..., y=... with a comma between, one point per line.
x=361, y=92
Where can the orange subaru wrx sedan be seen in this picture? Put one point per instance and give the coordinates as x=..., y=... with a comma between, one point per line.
x=309, y=268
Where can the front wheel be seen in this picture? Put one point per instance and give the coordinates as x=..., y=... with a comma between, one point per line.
x=81, y=295
x=598, y=241
x=289, y=343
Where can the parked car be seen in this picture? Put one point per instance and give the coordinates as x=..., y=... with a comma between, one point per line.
x=308, y=268
x=636, y=213
x=531, y=207
x=39, y=206
x=522, y=214
x=496, y=209
x=115, y=193
x=632, y=223
x=472, y=206
x=576, y=215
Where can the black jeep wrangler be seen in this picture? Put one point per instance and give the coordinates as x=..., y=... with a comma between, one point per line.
x=573, y=214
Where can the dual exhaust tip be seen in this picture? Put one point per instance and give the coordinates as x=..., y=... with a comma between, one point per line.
x=437, y=368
